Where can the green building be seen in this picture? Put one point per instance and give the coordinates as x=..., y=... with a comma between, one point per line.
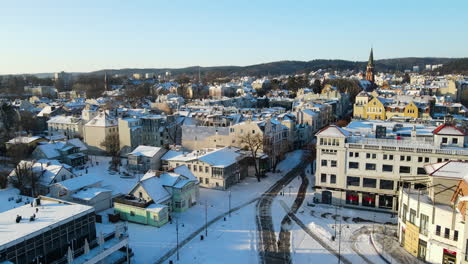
x=158, y=194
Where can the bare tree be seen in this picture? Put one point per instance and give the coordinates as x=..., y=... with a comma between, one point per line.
x=253, y=143
x=112, y=145
x=25, y=179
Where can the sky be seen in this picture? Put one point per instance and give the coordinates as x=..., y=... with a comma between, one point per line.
x=87, y=35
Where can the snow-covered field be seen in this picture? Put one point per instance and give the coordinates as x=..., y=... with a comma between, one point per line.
x=151, y=243
x=6, y=201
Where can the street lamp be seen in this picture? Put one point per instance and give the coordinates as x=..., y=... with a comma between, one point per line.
x=206, y=218
x=177, y=237
x=229, y=203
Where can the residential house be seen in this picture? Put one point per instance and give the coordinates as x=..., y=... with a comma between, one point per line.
x=157, y=194
x=144, y=158
x=72, y=152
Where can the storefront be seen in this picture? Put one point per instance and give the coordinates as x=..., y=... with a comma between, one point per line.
x=449, y=257
x=352, y=198
x=368, y=199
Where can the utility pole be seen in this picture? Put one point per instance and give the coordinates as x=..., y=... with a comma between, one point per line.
x=177, y=237
x=336, y=218
x=206, y=218
x=229, y=203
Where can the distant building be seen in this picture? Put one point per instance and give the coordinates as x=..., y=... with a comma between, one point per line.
x=98, y=129
x=64, y=79
x=144, y=158
x=47, y=91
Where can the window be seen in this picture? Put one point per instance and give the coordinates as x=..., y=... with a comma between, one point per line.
x=386, y=185
x=405, y=169
x=333, y=163
x=354, y=165
x=455, y=235
x=353, y=181
x=370, y=166
x=207, y=169
x=444, y=140
x=356, y=154
x=421, y=171
x=387, y=168
x=454, y=140
x=140, y=194
x=424, y=221
x=351, y=154
x=439, y=160
x=333, y=178
x=408, y=158
x=207, y=181
x=367, y=155
x=426, y=160
x=402, y=158
x=412, y=216
x=438, y=230
x=189, y=167
x=420, y=159
x=200, y=168
x=385, y=156
x=374, y=156
x=323, y=177
x=324, y=163
x=385, y=201
x=447, y=233
x=390, y=157
x=194, y=167
x=369, y=183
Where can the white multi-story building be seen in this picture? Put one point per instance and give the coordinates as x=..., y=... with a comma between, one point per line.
x=364, y=171
x=68, y=126
x=432, y=212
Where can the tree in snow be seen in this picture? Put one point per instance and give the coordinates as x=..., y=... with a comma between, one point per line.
x=253, y=143
x=25, y=179
x=112, y=145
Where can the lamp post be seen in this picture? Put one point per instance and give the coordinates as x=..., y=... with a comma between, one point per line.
x=206, y=218
x=177, y=237
x=229, y=203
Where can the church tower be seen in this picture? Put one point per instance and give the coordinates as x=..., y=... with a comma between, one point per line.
x=370, y=68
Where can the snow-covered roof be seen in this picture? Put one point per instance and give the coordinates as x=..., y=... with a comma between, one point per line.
x=333, y=131
x=51, y=214
x=154, y=182
x=48, y=169
x=23, y=140
x=171, y=154
x=449, y=169
x=62, y=119
x=146, y=151
x=77, y=183
x=102, y=120
x=89, y=193
x=448, y=130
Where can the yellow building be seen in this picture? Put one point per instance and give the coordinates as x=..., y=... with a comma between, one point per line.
x=375, y=110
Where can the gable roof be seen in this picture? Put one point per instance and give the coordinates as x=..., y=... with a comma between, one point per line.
x=449, y=130
x=77, y=183
x=146, y=151
x=333, y=131
x=154, y=182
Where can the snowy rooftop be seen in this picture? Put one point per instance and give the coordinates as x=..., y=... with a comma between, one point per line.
x=89, y=193
x=102, y=120
x=146, y=151
x=449, y=169
x=223, y=157
x=62, y=119
x=79, y=182
x=333, y=131
x=23, y=140
x=51, y=214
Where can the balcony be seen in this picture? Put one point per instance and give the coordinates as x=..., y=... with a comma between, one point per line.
x=132, y=200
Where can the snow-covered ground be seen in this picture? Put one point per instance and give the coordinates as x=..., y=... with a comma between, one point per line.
x=151, y=243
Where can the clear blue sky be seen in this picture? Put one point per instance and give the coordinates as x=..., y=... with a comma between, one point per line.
x=84, y=35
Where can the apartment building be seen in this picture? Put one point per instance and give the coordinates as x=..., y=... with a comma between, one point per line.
x=274, y=133
x=98, y=129
x=214, y=168
x=432, y=214
x=68, y=126
x=364, y=170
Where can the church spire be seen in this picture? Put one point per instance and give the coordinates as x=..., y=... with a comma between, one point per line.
x=370, y=74
x=371, y=58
